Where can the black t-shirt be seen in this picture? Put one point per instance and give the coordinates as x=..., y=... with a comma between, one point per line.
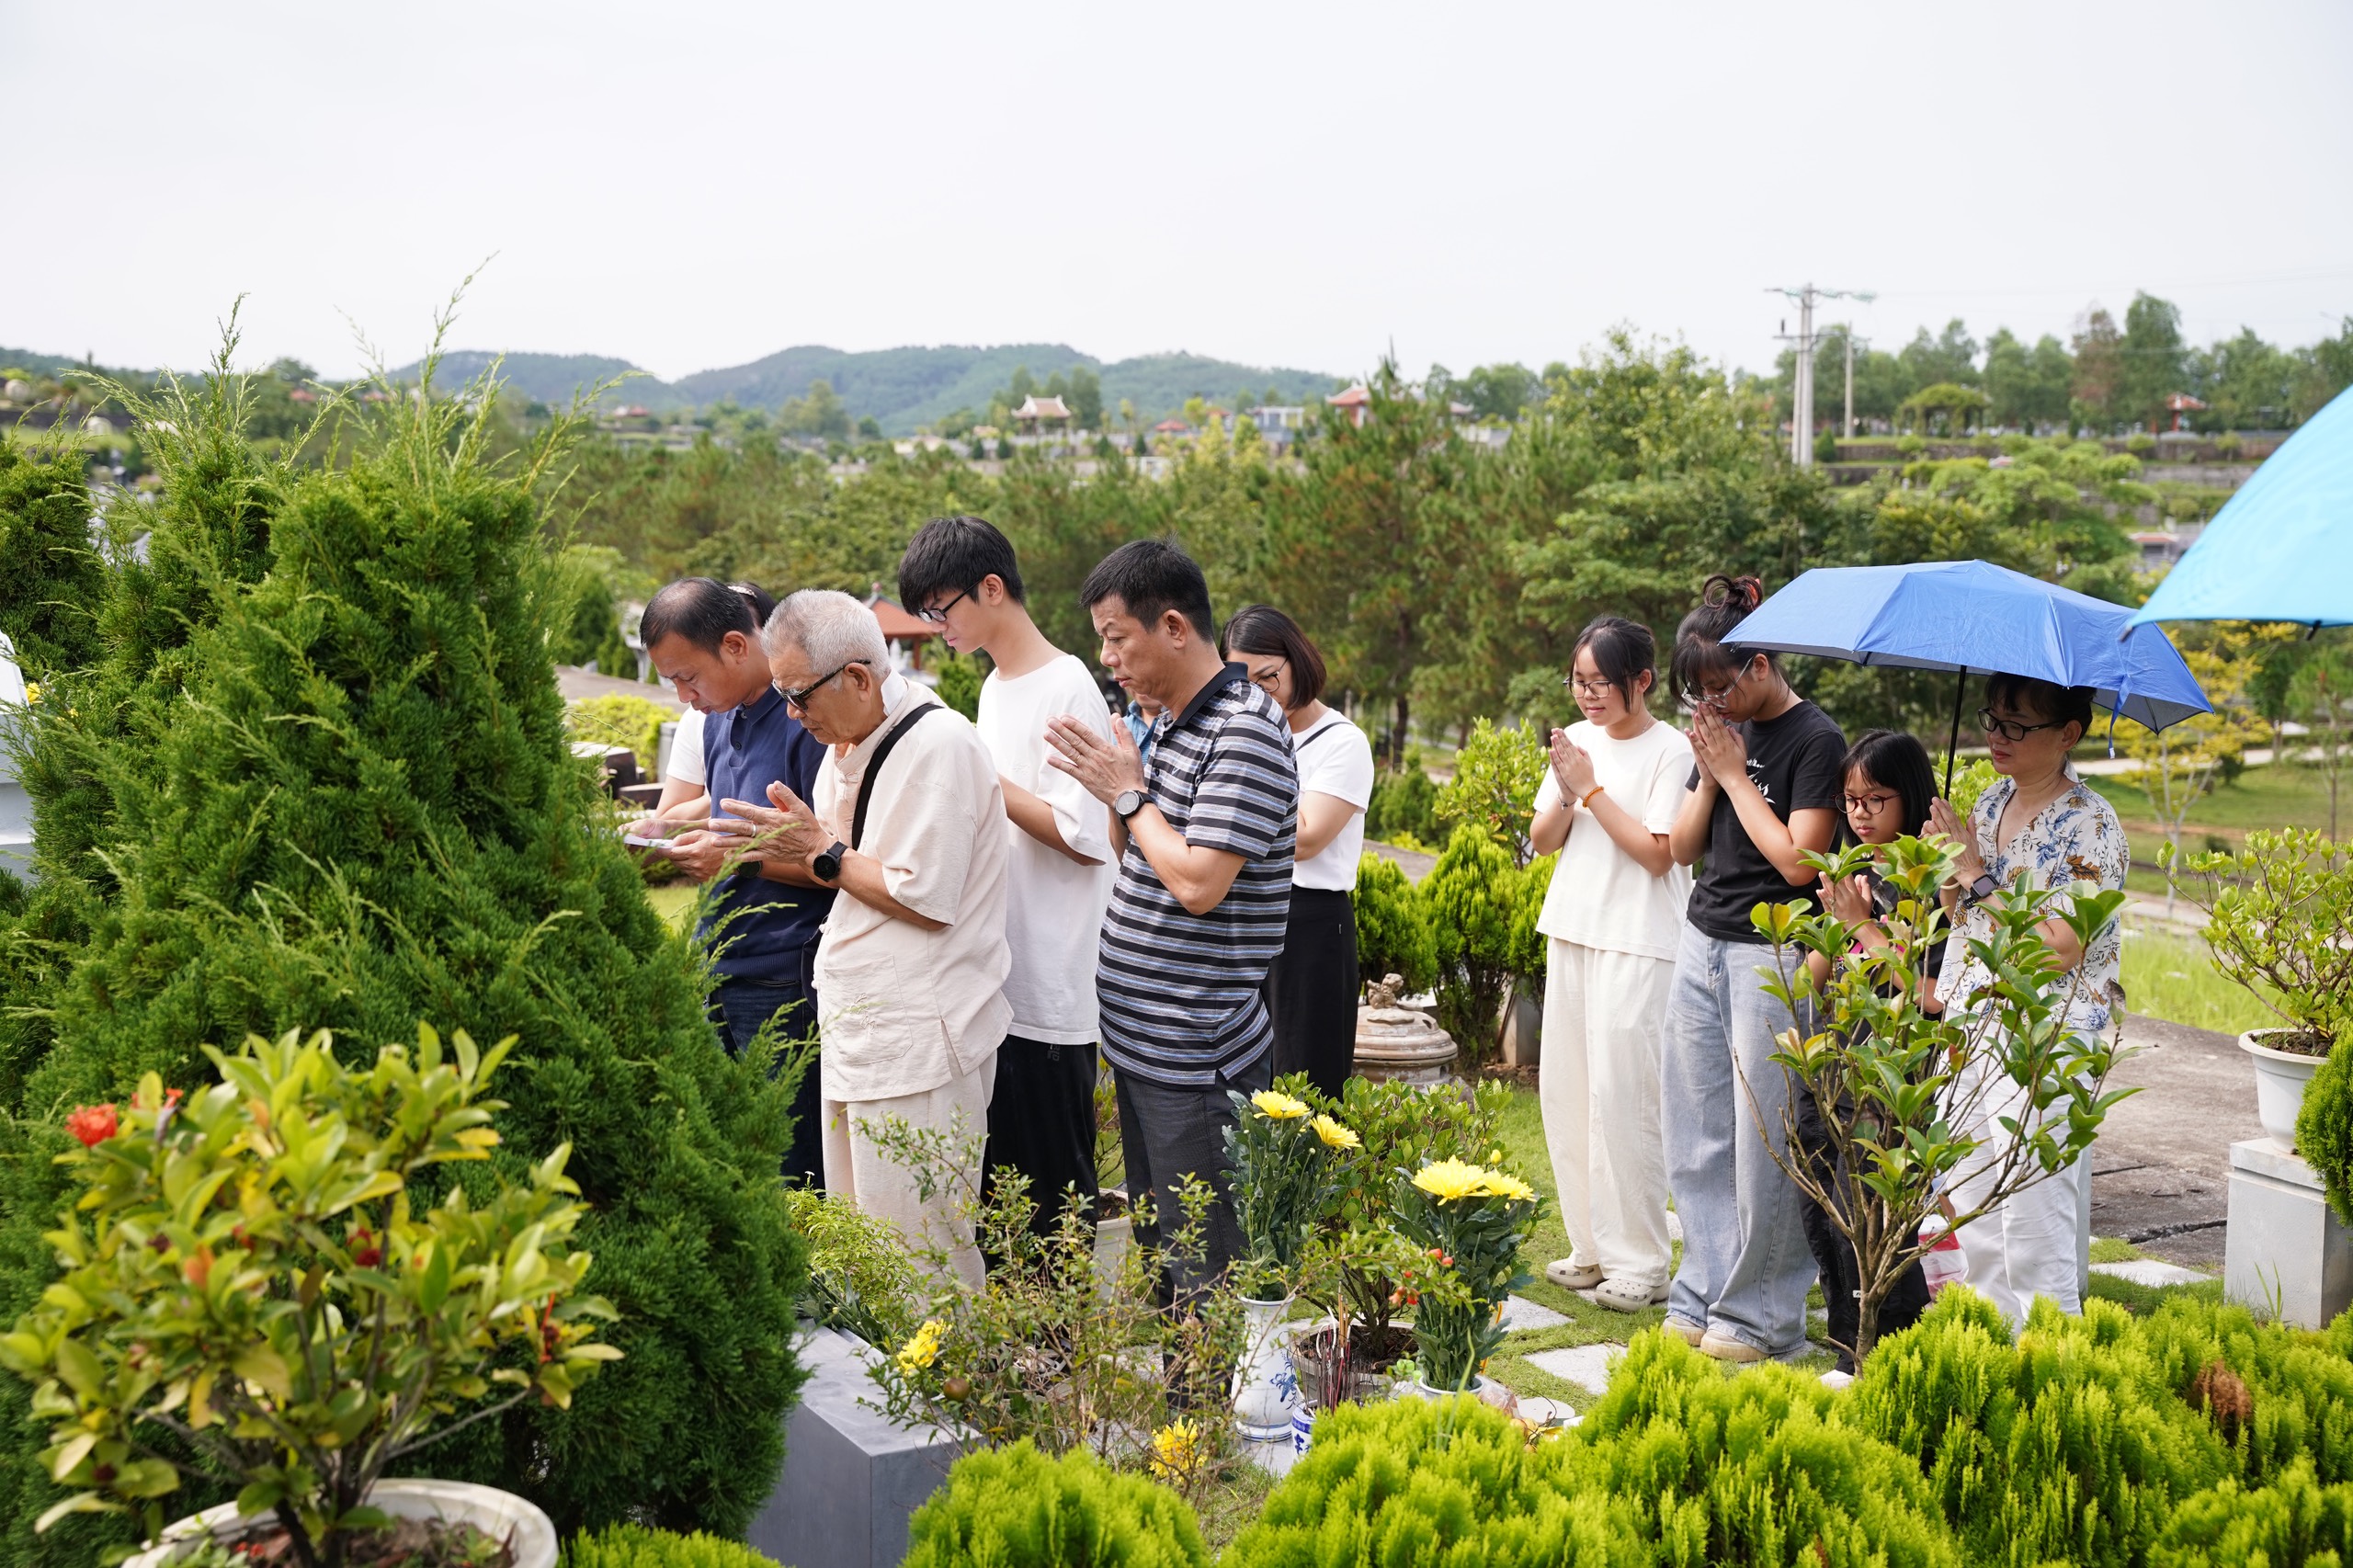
x=1794, y=760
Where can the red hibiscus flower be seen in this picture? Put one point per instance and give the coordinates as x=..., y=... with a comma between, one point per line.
x=93, y=1124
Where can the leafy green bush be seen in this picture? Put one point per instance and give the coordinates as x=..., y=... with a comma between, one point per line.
x=50, y=579
x=2325, y=1127
x=1394, y=933
x=2292, y=1401
x=1015, y=1508
x=860, y=1275
x=364, y=810
x=634, y=1546
x=618, y=720
x=1439, y=1481
x=959, y=684
x=585, y=612
x=1403, y=806
x=2294, y=1520
x=2067, y=1443
x=1473, y=894
x=1495, y=778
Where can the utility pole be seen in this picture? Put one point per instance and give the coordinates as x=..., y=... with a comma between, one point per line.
x=1802, y=392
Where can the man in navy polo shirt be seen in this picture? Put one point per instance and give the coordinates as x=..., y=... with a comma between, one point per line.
x=705, y=640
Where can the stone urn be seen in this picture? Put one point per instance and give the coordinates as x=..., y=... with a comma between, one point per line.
x=1397, y=1042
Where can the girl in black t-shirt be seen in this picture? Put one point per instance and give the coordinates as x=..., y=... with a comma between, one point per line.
x=1764, y=794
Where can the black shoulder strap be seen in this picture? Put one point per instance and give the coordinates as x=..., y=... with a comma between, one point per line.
x=1313, y=736
x=874, y=770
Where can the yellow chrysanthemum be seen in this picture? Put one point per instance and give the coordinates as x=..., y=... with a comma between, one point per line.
x=1336, y=1135
x=1500, y=1185
x=922, y=1347
x=32, y=692
x=1450, y=1179
x=1277, y=1108
x=1176, y=1451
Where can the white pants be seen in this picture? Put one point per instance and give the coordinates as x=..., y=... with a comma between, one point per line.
x=858, y=1169
x=2035, y=1243
x=1598, y=1081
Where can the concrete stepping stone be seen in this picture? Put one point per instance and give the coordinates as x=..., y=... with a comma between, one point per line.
x=1520, y=1314
x=2151, y=1271
x=1838, y=1380
x=1587, y=1366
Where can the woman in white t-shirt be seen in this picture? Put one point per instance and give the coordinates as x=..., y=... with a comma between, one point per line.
x=1311, y=987
x=1613, y=917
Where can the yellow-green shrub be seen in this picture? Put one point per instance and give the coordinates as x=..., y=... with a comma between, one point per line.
x=635, y=1546
x=1015, y=1508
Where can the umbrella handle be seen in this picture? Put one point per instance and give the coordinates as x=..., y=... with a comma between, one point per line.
x=1953, y=742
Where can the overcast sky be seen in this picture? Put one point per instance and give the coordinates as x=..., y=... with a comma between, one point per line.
x=694, y=186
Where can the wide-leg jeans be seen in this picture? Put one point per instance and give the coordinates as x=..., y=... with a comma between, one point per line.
x=1746, y=1263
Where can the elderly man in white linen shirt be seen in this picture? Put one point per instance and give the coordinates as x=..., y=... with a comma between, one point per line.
x=911, y=967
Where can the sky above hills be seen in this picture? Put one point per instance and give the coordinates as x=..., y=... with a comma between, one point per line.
x=1296, y=185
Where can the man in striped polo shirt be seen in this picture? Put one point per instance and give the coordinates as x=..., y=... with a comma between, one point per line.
x=1204, y=834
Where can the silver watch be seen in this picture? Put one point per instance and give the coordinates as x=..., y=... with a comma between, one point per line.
x=1127, y=803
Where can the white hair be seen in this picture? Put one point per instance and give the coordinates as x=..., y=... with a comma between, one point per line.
x=830, y=628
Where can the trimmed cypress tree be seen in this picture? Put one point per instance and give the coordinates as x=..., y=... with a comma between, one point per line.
x=50, y=577
x=363, y=813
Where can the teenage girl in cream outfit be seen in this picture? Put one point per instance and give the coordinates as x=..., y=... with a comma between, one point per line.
x=1612, y=916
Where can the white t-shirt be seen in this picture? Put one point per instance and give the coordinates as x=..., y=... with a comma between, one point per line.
x=686, y=750
x=1335, y=759
x=1053, y=906
x=1599, y=897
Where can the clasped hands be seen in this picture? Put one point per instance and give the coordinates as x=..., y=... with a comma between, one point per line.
x=1104, y=769
x=785, y=831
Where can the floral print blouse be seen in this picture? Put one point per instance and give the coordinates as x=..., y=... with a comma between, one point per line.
x=2076, y=838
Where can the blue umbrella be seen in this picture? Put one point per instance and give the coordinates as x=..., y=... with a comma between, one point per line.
x=1971, y=615
x=2282, y=548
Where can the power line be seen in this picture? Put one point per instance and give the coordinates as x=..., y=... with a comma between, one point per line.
x=1801, y=410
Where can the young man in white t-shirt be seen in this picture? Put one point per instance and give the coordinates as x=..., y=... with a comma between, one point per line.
x=960, y=574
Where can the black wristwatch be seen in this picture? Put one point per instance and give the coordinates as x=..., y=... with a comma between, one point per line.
x=827, y=862
x=1984, y=888
x=1128, y=802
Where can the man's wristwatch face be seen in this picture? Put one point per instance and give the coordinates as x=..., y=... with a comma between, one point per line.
x=1127, y=803
x=827, y=862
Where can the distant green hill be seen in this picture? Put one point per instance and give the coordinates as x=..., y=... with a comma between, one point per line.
x=900, y=388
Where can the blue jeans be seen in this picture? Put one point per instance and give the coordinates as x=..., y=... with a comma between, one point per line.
x=739, y=1006
x=1745, y=1264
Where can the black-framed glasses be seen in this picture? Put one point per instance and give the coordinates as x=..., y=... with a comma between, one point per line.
x=1869, y=805
x=2009, y=729
x=799, y=697
x=1593, y=688
x=938, y=614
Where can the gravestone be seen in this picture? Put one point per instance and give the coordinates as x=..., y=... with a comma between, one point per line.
x=852, y=1476
x=2286, y=1252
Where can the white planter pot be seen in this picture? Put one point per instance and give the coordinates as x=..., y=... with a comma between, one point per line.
x=1266, y=1391
x=495, y=1513
x=1487, y=1391
x=2280, y=1079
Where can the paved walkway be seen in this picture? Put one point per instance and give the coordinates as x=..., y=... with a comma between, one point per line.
x=2161, y=1169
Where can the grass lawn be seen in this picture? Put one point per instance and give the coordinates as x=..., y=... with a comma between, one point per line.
x=2279, y=795
x=2174, y=977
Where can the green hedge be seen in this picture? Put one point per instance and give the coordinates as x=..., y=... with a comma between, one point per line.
x=1015, y=1508
x=634, y=1546
x=2197, y=1437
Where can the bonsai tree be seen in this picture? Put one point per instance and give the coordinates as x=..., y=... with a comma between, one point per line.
x=247, y=1271
x=358, y=807
x=1897, y=1086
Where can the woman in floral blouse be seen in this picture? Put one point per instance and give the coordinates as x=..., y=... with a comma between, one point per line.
x=2038, y=819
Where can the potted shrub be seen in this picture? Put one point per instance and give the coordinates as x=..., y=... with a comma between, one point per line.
x=250, y=1296
x=2276, y=912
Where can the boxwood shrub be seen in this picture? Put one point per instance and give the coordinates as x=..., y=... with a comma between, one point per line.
x=635, y=1546
x=1015, y=1508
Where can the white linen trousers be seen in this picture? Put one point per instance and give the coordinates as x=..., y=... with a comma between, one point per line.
x=1597, y=1083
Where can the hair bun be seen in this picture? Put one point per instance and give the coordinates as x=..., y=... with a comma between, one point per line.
x=1733, y=593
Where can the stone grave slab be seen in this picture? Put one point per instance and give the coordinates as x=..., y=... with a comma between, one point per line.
x=2151, y=1271
x=1587, y=1366
x=1520, y=1314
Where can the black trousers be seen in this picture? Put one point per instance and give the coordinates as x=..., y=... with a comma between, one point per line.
x=1311, y=989
x=1834, y=1255
x=1041, y=1124
x=739, y=1006
x=1168, y=1133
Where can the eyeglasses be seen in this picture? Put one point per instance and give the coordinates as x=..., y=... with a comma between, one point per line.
x=1593, y=688
x=1869, y=805
x=1716, y=700
x=2009, y=729
x=800, y=698
x=938, y=614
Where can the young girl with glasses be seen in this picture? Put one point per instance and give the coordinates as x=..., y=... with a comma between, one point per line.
x=1765, y=791
x=1611, y=919
x=2039, y=822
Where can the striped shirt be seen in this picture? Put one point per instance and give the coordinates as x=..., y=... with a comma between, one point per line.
x=1179, y=992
